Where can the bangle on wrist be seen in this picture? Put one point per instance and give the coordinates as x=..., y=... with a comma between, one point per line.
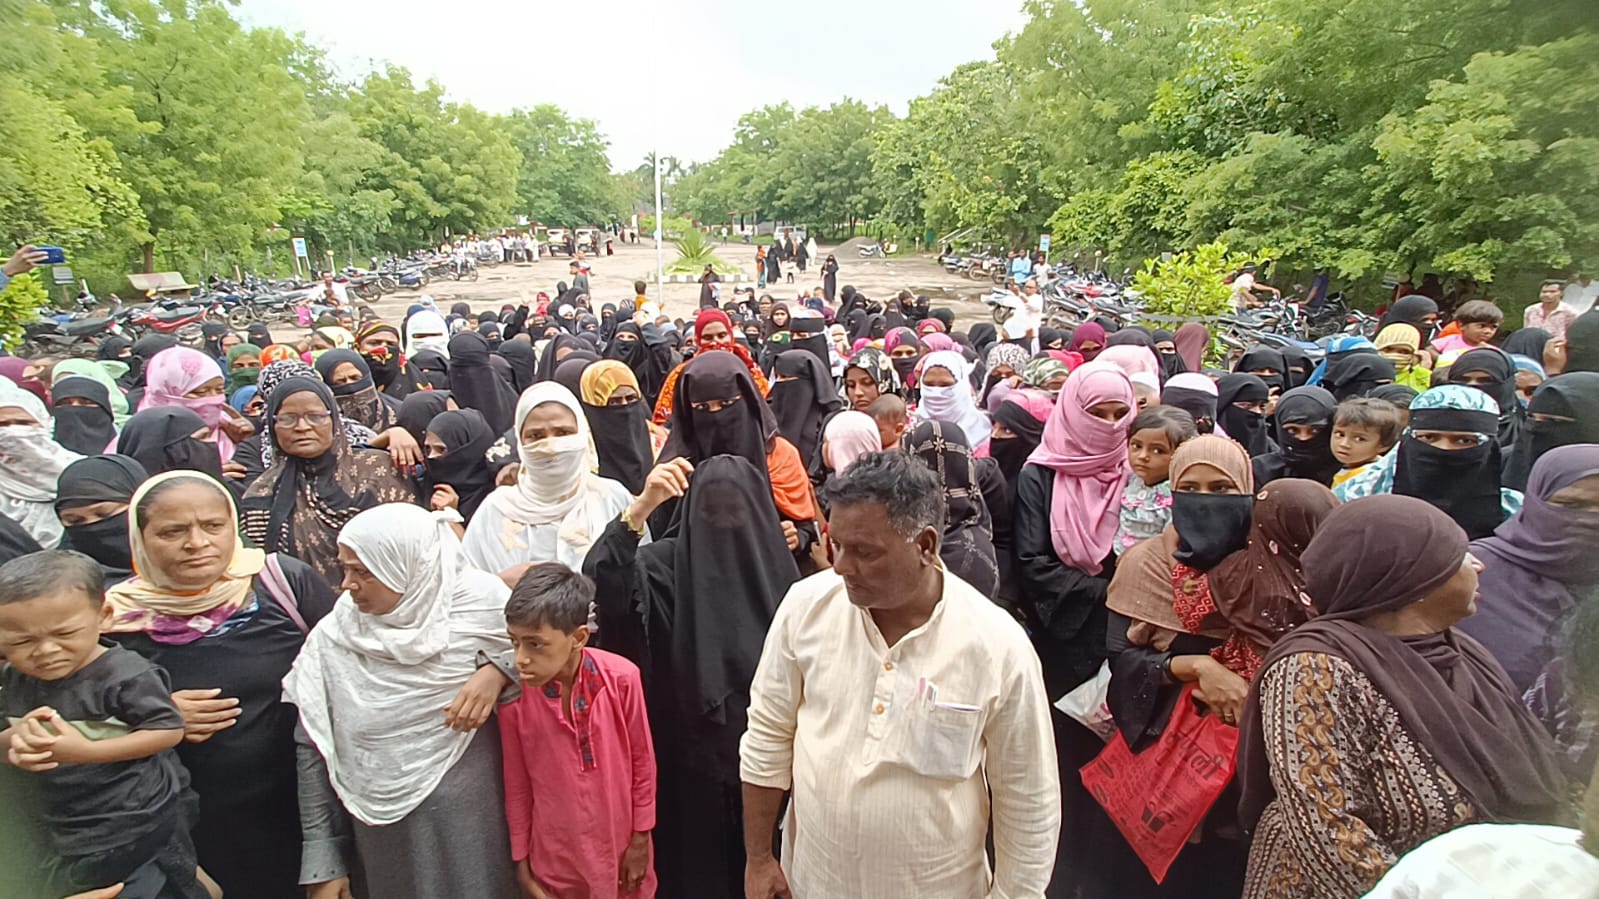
x=627, y=520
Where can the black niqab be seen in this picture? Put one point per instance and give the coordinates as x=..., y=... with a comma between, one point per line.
x=802, y=402
x=523, y=359
x=1358, y=374
x=101, y=479
x=1312, y=459
x=745, y=428
x=1463, y=483
x=1246, y=427
x=86, y=430
x=476, y=385
x=418, y=409
x=1263, y=358
x=548, y=362
x=467, y=438
x=161, y=439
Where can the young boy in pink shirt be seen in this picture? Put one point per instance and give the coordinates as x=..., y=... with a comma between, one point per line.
x=579, y=761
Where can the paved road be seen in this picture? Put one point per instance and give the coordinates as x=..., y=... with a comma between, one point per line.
x=612, y=277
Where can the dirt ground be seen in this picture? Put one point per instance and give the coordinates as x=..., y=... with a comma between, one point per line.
x=612, y=277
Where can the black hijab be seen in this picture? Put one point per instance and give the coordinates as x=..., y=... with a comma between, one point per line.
x=649, y=355
x=983, y=335
x=110, y=349
x=86, y=430
x=569, y=373
x=1262, y=357
x=548, y=362
x=213, y=331
x=1496, y=364
x=1527, y=342
x=261, y=335
x=712, y=588
x=142, y=350
x=1313, y=459
x=1463, y=483
x=161, y=439
x=1358, y=374
x=1582, y=344
x=1398, y=394
x=746, y=428
x=359, y=401
x=315, y=478
x=622, y=442
x=101, y=479
x=1248, y=428
x=420, y=408
x=1412, y=309
x=523, y=359
x=463, y=466
x=432, y=370
x=1569, y=407
x=1299, y=366
x=1449, y=693
x=802, y=403
x=475, y=384
x=967, y=547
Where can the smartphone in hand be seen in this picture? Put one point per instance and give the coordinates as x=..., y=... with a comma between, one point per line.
x=53, y=255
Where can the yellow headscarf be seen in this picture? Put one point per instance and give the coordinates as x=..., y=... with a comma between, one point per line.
x=1397, y=335
x=151, y=602
x=601, y=379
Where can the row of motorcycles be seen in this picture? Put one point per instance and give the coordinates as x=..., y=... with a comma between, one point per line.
x=1072, y=297
x=79, y=331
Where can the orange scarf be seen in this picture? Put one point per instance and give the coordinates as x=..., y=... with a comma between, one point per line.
x=791, y=483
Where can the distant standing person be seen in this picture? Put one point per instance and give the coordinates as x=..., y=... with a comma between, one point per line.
x=830, y=278
x=904, y=712
x=580, y=276
x=708, y=288
x=773, y=261
x=802, y=255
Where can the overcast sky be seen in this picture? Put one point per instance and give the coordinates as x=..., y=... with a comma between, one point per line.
x=680, y=72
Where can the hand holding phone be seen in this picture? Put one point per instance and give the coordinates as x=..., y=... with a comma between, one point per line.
x=25, y=259
x=53, y=255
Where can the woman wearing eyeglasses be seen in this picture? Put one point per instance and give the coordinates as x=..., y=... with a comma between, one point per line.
x=316, y=483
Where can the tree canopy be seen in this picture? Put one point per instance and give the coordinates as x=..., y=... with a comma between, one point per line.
x=1360, y=137
x=164, y=134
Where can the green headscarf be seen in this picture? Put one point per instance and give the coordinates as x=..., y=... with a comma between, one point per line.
x=106, y=372
x=243, y=377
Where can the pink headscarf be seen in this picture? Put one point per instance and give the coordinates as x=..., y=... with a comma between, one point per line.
x=851, y=435
x=1131, y=359
x=938, y=342
x=1089, y=458
x=929, y=326
x=168, y=378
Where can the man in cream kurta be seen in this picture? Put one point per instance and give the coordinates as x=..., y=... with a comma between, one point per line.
x=892, y=752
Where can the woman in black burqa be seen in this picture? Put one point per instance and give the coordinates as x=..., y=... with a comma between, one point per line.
x=692, y=609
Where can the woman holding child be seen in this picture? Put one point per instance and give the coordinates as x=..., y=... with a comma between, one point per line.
x=225, y=622
x=399, y=794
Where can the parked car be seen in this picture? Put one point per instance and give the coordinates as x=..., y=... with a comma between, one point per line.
x=555, y=240
x=588, y=239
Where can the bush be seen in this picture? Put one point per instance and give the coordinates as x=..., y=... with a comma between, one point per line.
x=20, y=303
x=1193, y=283
x=694, y=252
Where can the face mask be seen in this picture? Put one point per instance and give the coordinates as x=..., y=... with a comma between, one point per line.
x=209, y=409
x=939, y=401
x=28, y=450
x=1210, y=526
x=195, y=454
x=1010, y=452
x=105, y=541
x=904, y=366
x=1548, y=434
x=551, y=466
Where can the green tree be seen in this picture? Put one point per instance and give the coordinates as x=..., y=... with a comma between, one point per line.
x=565, y=176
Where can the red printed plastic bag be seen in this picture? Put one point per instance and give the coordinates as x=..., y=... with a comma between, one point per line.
x=1158, y=797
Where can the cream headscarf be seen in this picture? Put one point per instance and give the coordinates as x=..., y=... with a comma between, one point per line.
x=556, y=472
x=30, y=464
x=152, y=603
x=372, y=689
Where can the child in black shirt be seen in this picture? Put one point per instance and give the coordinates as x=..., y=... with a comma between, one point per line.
x=91, y=727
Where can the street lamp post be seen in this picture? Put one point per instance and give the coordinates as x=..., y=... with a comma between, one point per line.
x=660, y=251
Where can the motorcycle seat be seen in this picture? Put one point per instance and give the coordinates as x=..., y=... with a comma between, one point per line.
x=177, y=314
x=85, y=326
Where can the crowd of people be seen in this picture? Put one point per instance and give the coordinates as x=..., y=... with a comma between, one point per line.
x=817, y=598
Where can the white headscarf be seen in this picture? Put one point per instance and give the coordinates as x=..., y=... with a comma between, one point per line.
x=955, y=405
x=557, y=472
x=372, y=689
x=30, y=464
x=430, y=323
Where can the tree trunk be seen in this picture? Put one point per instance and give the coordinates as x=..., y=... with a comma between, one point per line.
x=148, y=251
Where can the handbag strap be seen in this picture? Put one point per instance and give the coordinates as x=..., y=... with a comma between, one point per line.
x=277, y=586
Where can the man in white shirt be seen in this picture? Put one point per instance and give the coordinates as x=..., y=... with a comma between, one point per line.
x=902, y=710
x=1581, y=293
